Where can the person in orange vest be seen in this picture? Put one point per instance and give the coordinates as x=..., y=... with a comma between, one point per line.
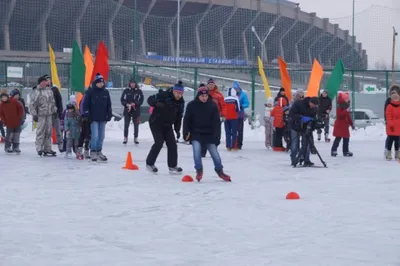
x=279, y=124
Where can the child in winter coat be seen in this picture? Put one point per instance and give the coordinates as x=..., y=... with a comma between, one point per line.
x=11, y=114
x=279, y=125
x=393, y=123
x=269, y=120
x=15, y=94
x=341, y=126
x=232, y=109
x=72, y=130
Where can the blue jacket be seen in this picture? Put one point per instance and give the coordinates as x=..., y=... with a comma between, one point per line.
x=244, y=103
x=97, y=104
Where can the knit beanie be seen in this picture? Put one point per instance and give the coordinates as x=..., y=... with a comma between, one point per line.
x=210, y=81
x=178, y=87
x=202, y=90
x=98, y=78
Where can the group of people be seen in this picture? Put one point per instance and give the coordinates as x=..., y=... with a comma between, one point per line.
x=296, y=120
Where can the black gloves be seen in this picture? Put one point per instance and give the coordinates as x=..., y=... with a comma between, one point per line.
x=178, y=134
x=218, y=141
x=35, y=118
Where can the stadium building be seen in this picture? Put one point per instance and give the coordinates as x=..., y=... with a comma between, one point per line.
x=211, y=31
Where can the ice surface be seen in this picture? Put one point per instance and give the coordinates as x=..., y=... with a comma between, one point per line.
x=55, y=211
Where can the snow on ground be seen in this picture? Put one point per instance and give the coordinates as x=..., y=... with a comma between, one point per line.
x=55, y=211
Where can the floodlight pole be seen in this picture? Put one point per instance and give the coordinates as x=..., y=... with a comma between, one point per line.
x=178, y=37
x=262, y=42
x=394, y=56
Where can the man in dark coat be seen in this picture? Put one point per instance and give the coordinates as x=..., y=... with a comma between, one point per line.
x=202, y=126
x=301, y=113
x=132, y=100
x=324, y=109
x=98, y=110
x=168, y=110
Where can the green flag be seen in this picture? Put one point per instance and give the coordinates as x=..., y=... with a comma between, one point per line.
x=335, y=80
x=78, y=69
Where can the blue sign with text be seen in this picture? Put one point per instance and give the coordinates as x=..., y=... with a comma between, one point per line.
x=196, y=60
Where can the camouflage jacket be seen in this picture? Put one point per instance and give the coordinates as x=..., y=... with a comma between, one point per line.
x=42, y=102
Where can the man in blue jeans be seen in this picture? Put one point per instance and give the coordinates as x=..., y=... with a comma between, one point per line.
x=301, y=113
x=202, y=126
x=98, y=110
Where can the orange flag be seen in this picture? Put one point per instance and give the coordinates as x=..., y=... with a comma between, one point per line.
x=315, y=79
x=87, y=58
x=285, y=78
x=101, y=62
x=79, y=97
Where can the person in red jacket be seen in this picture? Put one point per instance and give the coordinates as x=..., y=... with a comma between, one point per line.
x=279, y=124
x=11, y=114
x=341, y=126
x=231, y=116
x=393, y=123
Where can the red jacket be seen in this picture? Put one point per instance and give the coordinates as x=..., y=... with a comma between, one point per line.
x=277, y=114
x=393, y=118
x=342, y=123
x=219, y=100
x=11, y=113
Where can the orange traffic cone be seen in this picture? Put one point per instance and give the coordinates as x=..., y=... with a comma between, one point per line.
x=129, y=165
x=187, y=178
x=292, y=196
x=53, y=136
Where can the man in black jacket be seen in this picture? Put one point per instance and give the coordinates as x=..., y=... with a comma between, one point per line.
x=57, y=116
x=301, y=113
x=202, y=126
x=132, y=100
x=98, y=110
x=168, y=110
x=324, y=109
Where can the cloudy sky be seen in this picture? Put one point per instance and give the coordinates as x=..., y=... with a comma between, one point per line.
x=373, y=23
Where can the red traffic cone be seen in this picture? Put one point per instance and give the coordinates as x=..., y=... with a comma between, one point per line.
x=187, y=178
x=292, y=196
x=129, y=164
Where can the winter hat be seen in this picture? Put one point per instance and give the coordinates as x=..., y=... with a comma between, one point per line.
x=270, y=100
x=232, y=92
x=43, y=78
x=236, y=85
x=132, y=80
x=98, y=78
x=314, y=100
x=210, y=81
x=202, y=90
x=14, y=92
x=178, y=87
x=3, y=93
x=281, y=89
x=299, y=92
x=72, y=98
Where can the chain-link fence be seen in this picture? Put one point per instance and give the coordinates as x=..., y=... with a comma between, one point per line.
x=370, y=87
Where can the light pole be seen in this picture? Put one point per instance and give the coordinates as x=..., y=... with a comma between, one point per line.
x=178, y=37
x=393, y=56
x=353, y=89
x=262, y=42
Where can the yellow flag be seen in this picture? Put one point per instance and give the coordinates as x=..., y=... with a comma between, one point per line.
x=53, y=69
x=264, y=78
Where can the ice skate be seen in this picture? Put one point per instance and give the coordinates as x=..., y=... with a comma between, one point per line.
x=152, y=168
x=327, y=139
x=397, y=155
x=199, y=175
x=348, y=154
x=175, y=170
x=125, y=141
x=68, y=155
x=136, y=141
x=93, y=156
x=8, y=150
x=334, y=153
x=102, y=157
x=389, y=156
x=223, y=176
x=319, y=136
x=50, y=153
x=86, y=154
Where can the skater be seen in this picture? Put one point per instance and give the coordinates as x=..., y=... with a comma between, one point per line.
x=386, y=105
x=268, y=123
x=231, y=116
x=393, y=123
x=202, y=126
x=84, y=137
x=42, y=108
x=302, y=112
x=298, y=95
x=98, y=110
x=2, y=132
x=168, y=110
x=218, y=98
x=286, y=131
x=72, y=130
x=341, y=126
x=279, y=124
x=282, y=95
x=132, y=100
x=11, y=113
x=324, y=109
x=244, y=104
x=15, y=94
